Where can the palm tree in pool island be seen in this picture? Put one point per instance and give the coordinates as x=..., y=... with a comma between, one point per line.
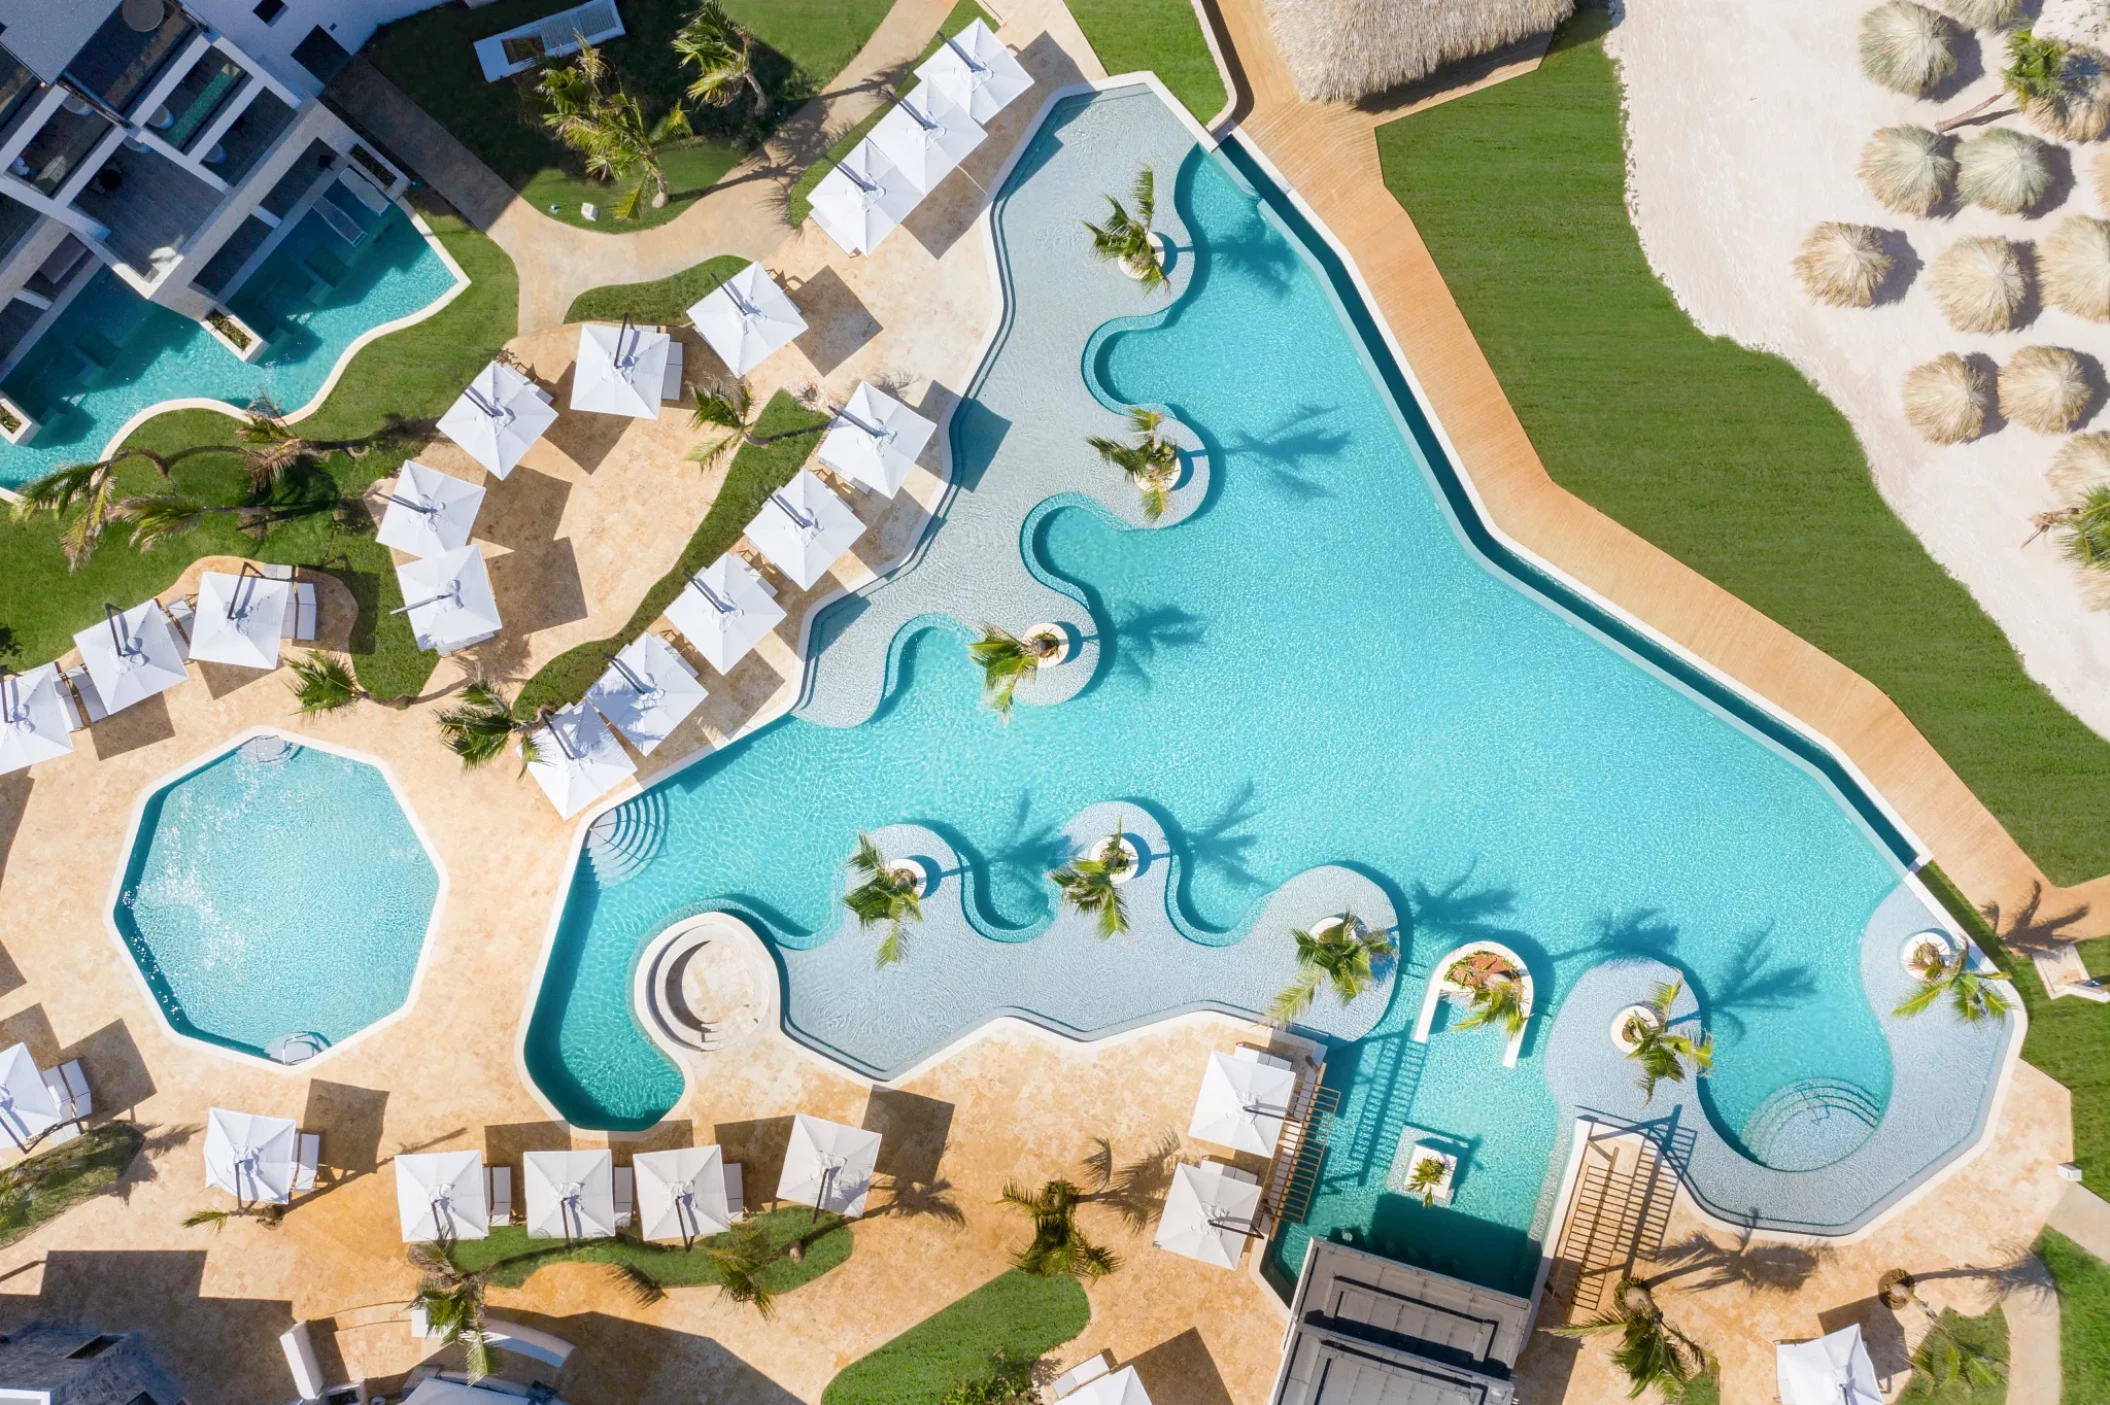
x=1651, y=1351
x=1495, y=991
x=1006, y=661
x=1427, y=1179
x=1127, y=240
x=890, y=893
x=1058, y=1246
x=1973, y=995
x=1151, y=461
x=1661, y=1054
x=1340, y=954
x=1092, y=884
x=478, y=730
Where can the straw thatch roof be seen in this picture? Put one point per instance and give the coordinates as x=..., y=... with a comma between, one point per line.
x=2073, y=265
x=1946, y=400
x=1981, y=14
x=1910, y=169
x=1907, y=48
x=1843, y=264
x=2003, y=169
x=2045, y=388
x=2079, y=107
x=1341, y=50
x=1981, y=283
x=2082, y=464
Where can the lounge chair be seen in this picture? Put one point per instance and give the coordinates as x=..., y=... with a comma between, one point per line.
x=310, y=1159
x=69, y=1087
x=74, y=720
x=1083, y=1373
x=300, y=613
x=670, y=384
x=625, y=1196
x=735, y=1190
x=91, y=701
x=179, y=614
x=498, y=1190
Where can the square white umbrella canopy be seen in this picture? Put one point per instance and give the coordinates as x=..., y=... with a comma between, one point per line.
x=1208, y=1215
x=975, y=71
x=577, y=759
x=239, y=619
x=1242, y=1104
x=33, y=722
x=28, y=1108
x=829, y=1166
x=863, y=198
x=132, y=655
x=1833, y=1370
x=875, y=439
x=440, y=1195
x=448, y=599
x=250, y=1157
x=570, y=1194
x=745, y=318
x=925, y=135
x=621, y=370
x=724, y=610
x=430, y=513
x=681, y=1193
x=803, y=528
x=646, y=692
x=1120, y=1387
x=498, y=418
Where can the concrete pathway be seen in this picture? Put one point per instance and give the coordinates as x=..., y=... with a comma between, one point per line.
x=2033, y=1366
x=2084, y=1217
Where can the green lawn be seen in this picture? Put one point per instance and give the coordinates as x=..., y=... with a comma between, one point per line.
x=802, y=44
x=1162, y=35
x=40, y=1188
x=1010, y=1320
x=414, y=373
x=756, y=472
x=1726, y=458
x=515, y=1258
x=1987, y=1333
x=666, y=301
x=2084, y=1316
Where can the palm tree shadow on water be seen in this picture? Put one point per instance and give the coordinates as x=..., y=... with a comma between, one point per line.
x=1285, y=453
x=1755, y=983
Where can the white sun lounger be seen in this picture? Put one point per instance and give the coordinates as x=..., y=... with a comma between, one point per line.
x=625, y=1195
x=498, y=1191
x=310, y=1158
x=91, y=700
x=300, y=613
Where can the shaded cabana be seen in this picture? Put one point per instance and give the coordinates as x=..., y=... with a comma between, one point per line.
x=240, y=619
x=975, y=71
x=1244, y=1099
x=132, y=655
x=688, y=1193
x=1210, y=1212
x=430, y=513
x=577, y=759
x=862, y=199
x=625, y=370
x=829, y=1166
x=448, y=599
x=745, y=318
x=498, y=418
x=570, y=1194
x=926, y=135
x=441, y=1196
x=875, y=439
x=648, y=690
x=36, y=720
x=803, y=528
x=725, y=609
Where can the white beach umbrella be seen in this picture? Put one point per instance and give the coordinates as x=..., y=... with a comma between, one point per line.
x=131, y=655
x=828, y=1166
x=33, y=722
x=863, y=198
x=974, y=70
x=250, y=1157
x=1833, y=1370
x=681, y=1193
x=239, y=619
x=1208, y=1214
x=577, y=759
x=1120, y=1387
x=803, y=528
x=1243, y=1103
x=570, y=1194
x=440, y=1196
x=28, y=1107
x=430, y=513
x=448, y=599
x=745, y=318
x=875, y=439
x=498, y=418
x=725, y=610
x=925, y=135
x=621, y=370
x=647, y=691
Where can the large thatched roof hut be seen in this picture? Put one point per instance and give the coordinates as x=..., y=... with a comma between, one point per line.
x=1341, y=50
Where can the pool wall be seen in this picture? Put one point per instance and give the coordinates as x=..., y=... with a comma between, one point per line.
x=226, y=1048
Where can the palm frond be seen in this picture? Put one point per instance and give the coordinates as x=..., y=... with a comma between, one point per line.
x=635, y=1284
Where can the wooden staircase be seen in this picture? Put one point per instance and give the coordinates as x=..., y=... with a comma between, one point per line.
x=1299, y=1152
x=1623, y=1197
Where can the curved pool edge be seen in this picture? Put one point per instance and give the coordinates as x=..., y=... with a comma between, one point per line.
x=242, y=1055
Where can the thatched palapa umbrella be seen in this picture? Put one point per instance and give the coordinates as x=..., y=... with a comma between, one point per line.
x=2081, y=466
x=1907, y=48
x=2045, y=388
x=2004, y=170
x=1982, y=14
x=1341, y=50
x=1981, y=283
x=2074, y=267
x=1843, y=264
x=1910, y=169
x=1946, y=399
x=2078, y=106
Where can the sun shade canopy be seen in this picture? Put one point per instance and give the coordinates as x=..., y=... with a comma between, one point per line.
x=875, y=439
x=725, y=610
x=745, y=318
x=499, y=417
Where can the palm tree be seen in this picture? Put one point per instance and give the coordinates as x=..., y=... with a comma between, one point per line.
x=1007, y=661
x=1650, y=1350
x=1058, y=1246
x=721, y=51
x=1090, y=884
x=887, y=895
x=478, y=730
x=608, y=128
x=453, y=1300
x=324, y=683
x=94, y=486
x=1945, y=1360
x=2085, y=535
x=277, y=446
x=734, y=410
x=158, y=517
x=1497, y=997
x=1974, y=995
x=2035, y=73
x=1341, y=958
x=741, y=1264
x=1660, y=1053
x=1151, y=461
x=1427, y=1179
x=1126, y=239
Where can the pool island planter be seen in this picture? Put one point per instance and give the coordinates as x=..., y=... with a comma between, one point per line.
x=1128, y=872
x=922, y=872
x=1623, y=1023
x=17, y=425
x=1063, y=638
x=233, y=333
x=1442, y=987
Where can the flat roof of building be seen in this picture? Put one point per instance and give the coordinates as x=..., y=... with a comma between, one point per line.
x=46, y=34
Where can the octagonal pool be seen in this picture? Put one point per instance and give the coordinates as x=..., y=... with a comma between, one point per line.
x=276, y=899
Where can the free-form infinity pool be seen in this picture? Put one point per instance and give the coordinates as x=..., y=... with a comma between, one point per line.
x=1329, y=662
x=276, y=890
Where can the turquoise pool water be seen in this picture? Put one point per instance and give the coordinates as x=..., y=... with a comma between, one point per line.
x=112, y=353
x=1320, y=666
x=277, y=889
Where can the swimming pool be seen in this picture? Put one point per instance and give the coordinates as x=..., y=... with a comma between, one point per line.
x=1329, y=662
x=276, y=890
x=113, y=354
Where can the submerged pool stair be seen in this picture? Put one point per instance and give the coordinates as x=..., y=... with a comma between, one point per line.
x=1299, y=1152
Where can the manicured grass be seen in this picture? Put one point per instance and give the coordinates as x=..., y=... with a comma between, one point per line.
x=42, y=1187
x=1012, y=1319
x=666, y=301
x=1989, y=1335
x=755, y=473
x=966, y=12
x=802, y=44
x=413, y=374
x=1164, y=36
x=1726, y=458
x=515, y=1258
x=2084, y=1316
